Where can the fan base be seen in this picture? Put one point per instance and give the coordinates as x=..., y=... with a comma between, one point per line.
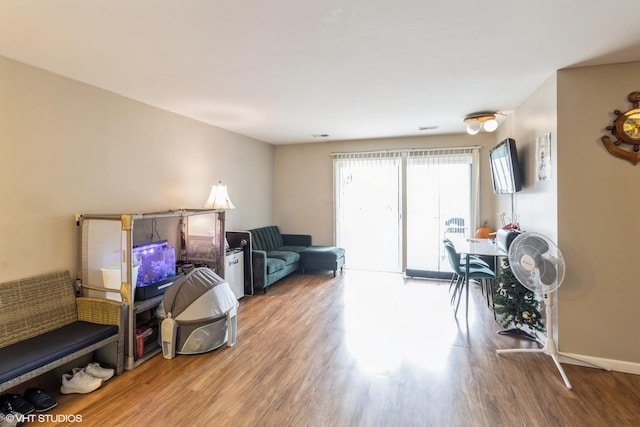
x=554, y=357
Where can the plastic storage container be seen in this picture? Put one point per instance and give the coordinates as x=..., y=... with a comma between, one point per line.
x=112, y=279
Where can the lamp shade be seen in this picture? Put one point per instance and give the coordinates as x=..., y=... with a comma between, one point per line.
x=490, y=125
x=473, y=126
x=219, y=198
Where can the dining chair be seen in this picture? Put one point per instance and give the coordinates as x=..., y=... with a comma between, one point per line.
x=473, y=259
x=476, y=272
x=486, y=285
x=474, y=262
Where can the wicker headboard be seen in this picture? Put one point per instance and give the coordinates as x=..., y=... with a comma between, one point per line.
x=35, y=305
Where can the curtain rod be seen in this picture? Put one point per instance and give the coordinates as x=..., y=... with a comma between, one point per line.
x=407, y=150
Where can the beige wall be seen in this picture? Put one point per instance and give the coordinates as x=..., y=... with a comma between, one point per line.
x=589, y=207
x=71, y=148
x=304, y=179
x=536, y=205
x=598, y=212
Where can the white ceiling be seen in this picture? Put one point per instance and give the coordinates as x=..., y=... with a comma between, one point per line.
x=284, y=70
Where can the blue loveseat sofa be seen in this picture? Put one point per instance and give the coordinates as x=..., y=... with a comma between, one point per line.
x=274, y=255
x=268, y=255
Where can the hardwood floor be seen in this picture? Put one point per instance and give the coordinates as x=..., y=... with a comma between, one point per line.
x=363, y=349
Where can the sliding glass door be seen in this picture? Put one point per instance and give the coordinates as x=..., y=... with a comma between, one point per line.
x=394, y=208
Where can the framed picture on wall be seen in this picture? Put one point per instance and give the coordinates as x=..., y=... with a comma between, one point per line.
x=543, y=157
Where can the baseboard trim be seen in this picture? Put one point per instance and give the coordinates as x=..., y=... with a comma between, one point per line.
x=615, y=365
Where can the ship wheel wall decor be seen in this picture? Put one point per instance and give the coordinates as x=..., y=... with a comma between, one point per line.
x=626, y=130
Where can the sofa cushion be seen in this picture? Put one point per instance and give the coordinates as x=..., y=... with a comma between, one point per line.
x=30, y=354
x=287, y=256
x=293, y=248
x=274, y=264
x=266, y=238
x=323, y=252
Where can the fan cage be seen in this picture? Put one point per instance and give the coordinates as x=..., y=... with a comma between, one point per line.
x=536, y=262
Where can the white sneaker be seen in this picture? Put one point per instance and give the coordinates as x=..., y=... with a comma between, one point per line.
x=79, y=382
x=95, y=370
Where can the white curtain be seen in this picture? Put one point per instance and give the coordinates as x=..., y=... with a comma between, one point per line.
x=441, y=201
x=367, y=209
x=450, y=168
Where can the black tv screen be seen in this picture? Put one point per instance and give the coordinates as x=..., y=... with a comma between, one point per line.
x=505, y=168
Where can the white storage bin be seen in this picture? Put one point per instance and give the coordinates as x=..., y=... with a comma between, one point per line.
x=111, y=278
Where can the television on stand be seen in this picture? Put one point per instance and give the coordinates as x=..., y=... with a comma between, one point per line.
x=505, y=168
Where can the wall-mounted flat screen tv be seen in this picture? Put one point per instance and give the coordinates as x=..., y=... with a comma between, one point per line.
x=505, y=168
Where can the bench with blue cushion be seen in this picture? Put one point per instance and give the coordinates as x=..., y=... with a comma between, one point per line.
x=43, y=325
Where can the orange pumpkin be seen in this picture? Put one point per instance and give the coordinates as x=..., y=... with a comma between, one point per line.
x=484, y=232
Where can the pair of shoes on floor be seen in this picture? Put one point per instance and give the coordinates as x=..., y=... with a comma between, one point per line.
x=13, y=407
x=41, y=400
x=34, y=399
x=85, y=380
x=16, y=403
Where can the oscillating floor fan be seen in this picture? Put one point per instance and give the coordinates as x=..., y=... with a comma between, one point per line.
x=538, y=265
